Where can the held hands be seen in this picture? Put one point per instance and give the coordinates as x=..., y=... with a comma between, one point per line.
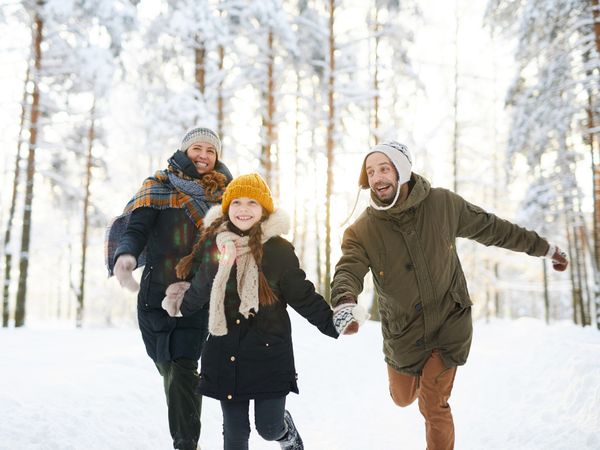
x=124, y=272
x=348, y=316
x=172, y=302
x=558, y=257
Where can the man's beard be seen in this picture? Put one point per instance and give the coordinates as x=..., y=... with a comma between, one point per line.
x=389, y=195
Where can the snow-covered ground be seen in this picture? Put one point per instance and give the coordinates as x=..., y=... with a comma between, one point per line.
x=526, y=386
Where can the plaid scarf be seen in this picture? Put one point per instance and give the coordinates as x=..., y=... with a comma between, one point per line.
x=170, y=188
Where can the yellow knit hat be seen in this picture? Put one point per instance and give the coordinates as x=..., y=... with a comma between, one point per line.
x=251, y=186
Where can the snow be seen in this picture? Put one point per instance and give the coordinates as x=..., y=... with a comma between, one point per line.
x=526, y=386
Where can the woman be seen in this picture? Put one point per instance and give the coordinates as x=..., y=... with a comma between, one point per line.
x=159, y=226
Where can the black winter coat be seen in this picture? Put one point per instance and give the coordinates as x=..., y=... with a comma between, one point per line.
x=168, y=235
x=255, y=359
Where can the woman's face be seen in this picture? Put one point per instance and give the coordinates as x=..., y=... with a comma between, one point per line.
x=203, y=155
x=245, y=212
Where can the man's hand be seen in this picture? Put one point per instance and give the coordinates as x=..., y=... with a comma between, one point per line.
x=559, y=260
x=124, y=272
x=348, y=316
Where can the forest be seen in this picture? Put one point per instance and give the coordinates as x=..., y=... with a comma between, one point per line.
x=498, y=101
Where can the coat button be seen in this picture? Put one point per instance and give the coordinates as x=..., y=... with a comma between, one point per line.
x=267, y=344
x=229, y=397
x=419, y=307
x=410, y=266
x=381, y=273
x=237, y=321
x=419, y=343
x=232, y=358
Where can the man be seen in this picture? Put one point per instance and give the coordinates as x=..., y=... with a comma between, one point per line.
x=158, y=227
x=407, y=239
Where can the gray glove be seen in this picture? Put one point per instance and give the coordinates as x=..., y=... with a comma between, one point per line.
x=124, y=272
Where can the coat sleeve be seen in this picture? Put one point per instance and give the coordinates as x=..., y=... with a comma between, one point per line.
x=488, y=229
x=351, y=269
x=300, y=294
x=137, y=233
x=197, y=296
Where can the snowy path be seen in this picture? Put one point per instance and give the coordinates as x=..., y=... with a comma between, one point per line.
x=526, y=386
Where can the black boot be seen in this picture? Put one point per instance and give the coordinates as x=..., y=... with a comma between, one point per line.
x=291, y=440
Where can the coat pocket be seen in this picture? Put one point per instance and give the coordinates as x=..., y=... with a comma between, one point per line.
x=461, y=299
x=378, y=269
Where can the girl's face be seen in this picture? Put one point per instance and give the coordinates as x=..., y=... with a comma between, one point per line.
x=245, y=212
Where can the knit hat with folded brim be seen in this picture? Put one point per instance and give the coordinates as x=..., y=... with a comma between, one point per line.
x=201, y=134
x=398, y=154
x=251, y=186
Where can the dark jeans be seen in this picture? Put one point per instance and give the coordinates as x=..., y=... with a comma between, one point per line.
x=268, y=419
x=180, y=379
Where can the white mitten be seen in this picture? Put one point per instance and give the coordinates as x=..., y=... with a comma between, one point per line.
x=124, y=267
x=346, y=313
x=172, y=302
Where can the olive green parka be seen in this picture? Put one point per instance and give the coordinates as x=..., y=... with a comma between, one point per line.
x=411, y=251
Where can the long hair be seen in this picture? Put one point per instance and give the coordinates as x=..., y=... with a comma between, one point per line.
x=184, y=266
x=266, y=296
x=214, y=184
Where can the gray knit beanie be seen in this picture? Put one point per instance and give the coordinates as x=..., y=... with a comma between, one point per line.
x=201, y=134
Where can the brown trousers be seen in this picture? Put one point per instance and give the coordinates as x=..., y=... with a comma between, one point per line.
x=433, y=388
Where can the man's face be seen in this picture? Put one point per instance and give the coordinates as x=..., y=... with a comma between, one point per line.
x=382, y=176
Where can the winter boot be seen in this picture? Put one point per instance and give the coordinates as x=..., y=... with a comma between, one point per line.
x=291, y=440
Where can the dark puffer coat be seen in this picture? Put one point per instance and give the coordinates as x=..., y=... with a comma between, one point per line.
x=255, y=358
x=168, y=235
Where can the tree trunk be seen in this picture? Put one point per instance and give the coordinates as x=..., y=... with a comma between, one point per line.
x=376, y=95
x=546, y=294
x=33, y=133
x=13, y=204
x=86, y=218
x=455, y=104
x=269, y=116
x=296, y=160
x=220, y=100
x=587, y=295
x=596, y=16
x=374, y=138
x=318, y=235
x=200, y=66
x=575, y=275
x=596, y=170
x=330, y=146
x=497, y=303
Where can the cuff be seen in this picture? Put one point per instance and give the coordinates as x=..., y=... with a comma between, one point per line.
x=551, y=250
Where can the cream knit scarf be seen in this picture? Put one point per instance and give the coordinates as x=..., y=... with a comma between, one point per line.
x=234, y=249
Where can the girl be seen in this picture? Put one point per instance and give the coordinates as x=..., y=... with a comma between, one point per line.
x=248, y=274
